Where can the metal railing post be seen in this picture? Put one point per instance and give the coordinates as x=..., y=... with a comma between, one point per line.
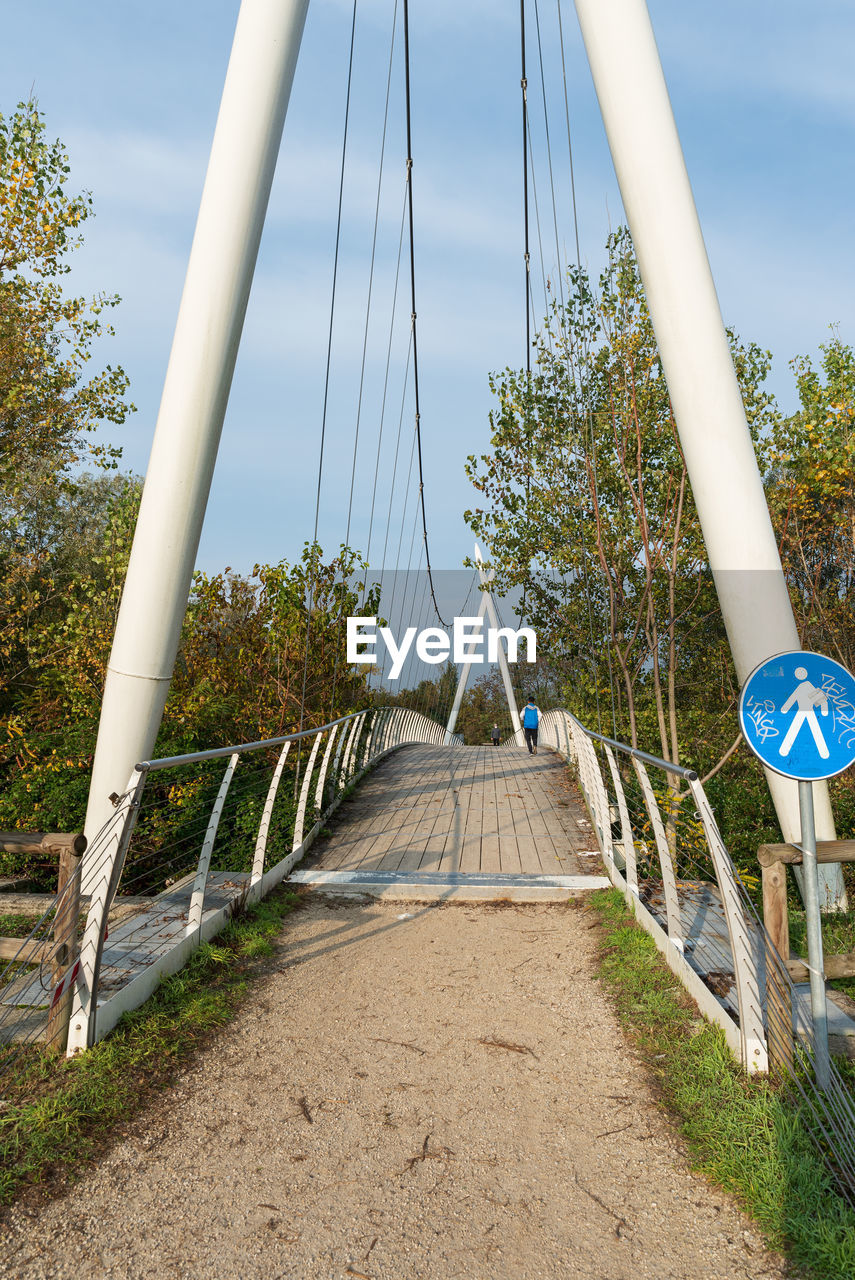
x=349, y=762
x=626, y=837
x=373, y=727
x=341, y=751
x=388, y=732
x=755, y=1056
x=264, y=825
x=599, y=802
x=116, y=834
x=322, y=776
x=360, y=746
x=669, y=882
x=567, y=737
x=197, y=900
x=375, y=733
x=300, y=822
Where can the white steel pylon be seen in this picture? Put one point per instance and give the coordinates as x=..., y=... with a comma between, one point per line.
x=196, y=391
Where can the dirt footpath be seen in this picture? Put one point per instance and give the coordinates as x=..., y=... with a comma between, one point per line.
x=442, y=1095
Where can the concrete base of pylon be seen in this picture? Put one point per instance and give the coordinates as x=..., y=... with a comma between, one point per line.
x=435, y=886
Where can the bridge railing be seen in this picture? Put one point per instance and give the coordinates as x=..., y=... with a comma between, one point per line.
x=662, y=848
x=192, y=837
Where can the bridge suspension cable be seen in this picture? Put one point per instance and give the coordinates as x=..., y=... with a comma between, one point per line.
x=413, y=300
x=368, y=301
x=576, y=360
x=525, y=142
x=310, y=601
x=586, y=392
x=410, y=383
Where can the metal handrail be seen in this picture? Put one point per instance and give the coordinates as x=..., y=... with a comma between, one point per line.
x=690, y=775
x=218, y=753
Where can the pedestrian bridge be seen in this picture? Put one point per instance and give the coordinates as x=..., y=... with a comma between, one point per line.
x=386, y=802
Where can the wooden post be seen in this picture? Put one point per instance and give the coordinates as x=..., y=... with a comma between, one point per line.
x=41, y=842
x=774, y=859
x=775, y=914
x=779, y=1010
x=65, y=948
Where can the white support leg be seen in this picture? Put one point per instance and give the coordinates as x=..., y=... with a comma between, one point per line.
x=461, y=683
x=503, y=661
x=195, y=394
x=683, y=304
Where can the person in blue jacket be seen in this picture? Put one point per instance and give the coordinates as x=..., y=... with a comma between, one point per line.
x=530, y=721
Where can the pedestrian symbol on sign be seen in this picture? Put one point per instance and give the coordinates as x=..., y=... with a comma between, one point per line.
x=797, y=713
x=807, y=697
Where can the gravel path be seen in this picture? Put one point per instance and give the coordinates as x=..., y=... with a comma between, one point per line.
x=442, y=1095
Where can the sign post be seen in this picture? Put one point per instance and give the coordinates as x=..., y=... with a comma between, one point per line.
x=813, y=926
x=797, y=713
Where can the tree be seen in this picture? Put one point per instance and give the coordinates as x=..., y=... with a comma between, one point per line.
x=239, y=676
x=484, y=704
x=243, y=671
x=50, y=402
x=432, y=696
x=60, y=564
x=55, y=651
x=811, y=491
x=589, y=508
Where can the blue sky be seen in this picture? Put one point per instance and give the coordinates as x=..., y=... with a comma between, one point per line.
x=765, y=103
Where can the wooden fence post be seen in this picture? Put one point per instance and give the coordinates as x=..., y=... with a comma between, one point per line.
x=779, y=1009
x=65, y=948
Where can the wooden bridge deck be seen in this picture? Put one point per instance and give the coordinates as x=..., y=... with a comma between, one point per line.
x=461, y=816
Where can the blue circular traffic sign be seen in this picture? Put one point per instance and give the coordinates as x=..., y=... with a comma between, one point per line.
x=797, y=712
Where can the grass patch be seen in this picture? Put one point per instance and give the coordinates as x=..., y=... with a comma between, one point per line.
x=16, y=926
x=59, y=1113
x=744, y=1134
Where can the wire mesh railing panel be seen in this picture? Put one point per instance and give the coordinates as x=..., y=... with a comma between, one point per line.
x=36, y=973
